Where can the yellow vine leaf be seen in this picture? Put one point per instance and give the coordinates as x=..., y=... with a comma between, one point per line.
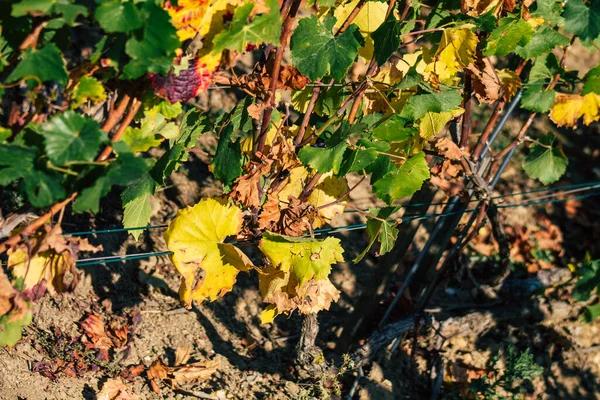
x=327, y=190
x=511, y=83
x=305, y=258
x=455, y=52
x=208, y=266
x=433, y=123
x=192, y=17
x=297, y=275
x=370, y=17
x=48, y=265
x=568, y=108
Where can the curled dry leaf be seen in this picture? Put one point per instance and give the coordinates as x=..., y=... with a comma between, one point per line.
x=448, y=149
x=486, y=83
x=475, y=8
x=195, y=371
x=182, y=354
x=53, y=263
x=115, y=389
x=246, y=188
x=94, y=328
x=158, y=370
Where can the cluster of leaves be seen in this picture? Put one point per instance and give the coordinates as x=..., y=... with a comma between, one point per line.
x=505, y=383
x=284, y=174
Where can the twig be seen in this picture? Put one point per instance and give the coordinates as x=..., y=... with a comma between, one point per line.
x=466, y=118
x=351, y=16
x=286, y=32
x=306, y=119
x=135, y=106
x=310, y=186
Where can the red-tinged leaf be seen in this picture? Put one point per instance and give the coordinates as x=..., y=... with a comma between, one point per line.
x=188, y=82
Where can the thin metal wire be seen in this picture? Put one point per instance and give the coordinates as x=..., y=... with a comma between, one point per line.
x=330, y=231
x=566, y=187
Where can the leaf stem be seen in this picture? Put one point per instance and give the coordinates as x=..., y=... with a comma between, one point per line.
x=51, y=166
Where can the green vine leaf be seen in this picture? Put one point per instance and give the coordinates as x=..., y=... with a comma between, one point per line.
x=316, y=52
x=510, y=34
x=227, y=164
x=588, y=281
x=264, y=28
x=53, y=65
x=544, y=40
x=323, y=159
x=125, y=170
x=420, y=105
x=305, y=258
x=136, y=204
x=118, y=16
x=583, y=19
x=404, y=181
x=384, y=232
x=15, y=162
x=155, y=50
x=386, y=39
x=591, y=81
x=192, y=125
x=72, y=137
x=545, y=162
x=88, y=88
x=394, y=129
x=43, y=189
x=535, y=98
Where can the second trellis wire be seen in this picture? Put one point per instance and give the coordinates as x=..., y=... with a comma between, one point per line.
x=334, y=230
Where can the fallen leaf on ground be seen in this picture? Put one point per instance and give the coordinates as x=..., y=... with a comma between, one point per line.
x=195, y=371
x=94, y=328
x=115, y=389
x=182, y=354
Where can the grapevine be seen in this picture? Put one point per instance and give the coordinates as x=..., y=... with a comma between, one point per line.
x=101, y=95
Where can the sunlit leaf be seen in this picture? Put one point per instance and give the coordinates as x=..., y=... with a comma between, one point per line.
x=208, y=265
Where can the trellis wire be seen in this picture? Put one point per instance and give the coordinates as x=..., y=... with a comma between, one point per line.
x=331, y=231
x=587, y=185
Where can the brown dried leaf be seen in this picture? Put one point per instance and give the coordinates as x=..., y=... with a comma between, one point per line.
x=115, y=389
x=486, y=83
x=246, y=188
x=447, y=148
x=7, y=293
x=291, y=79
x=95, y=330
x=158, y=370
x=196, y=371
x=255, y=110
x=182, y=354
